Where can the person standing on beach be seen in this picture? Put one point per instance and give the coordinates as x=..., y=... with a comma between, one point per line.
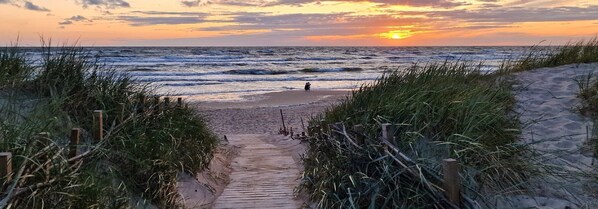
x=307, y=86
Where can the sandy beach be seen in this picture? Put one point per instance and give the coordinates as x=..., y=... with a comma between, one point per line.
x=261, y=114
x=266, y=166
x=255, y=167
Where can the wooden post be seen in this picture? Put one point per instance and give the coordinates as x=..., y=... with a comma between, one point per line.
x=121, y=112
x=141, y=103
x=166, y=103
x=156, y=104
x=284, y=128
x=98, y=126
x=179, y=102
x=358, y=129
x=5, y=165
x=451, y=180
x=75, y=137
x=388, y=131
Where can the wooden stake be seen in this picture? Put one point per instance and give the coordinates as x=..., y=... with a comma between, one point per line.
x=141, y=107
x=452, y=184
x=121, y=112
x=284, y=127
x=98, y=126
x=156, y=104
x=388, y=131
x=166, y=103
x=5, y=165
x=179, y=102
x=358, y=129
x=75, y=138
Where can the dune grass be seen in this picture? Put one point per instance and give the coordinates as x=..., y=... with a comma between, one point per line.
x=441, y=110
x=584, y=51
x=447, y=110
x=137, y=163
x=588, y=93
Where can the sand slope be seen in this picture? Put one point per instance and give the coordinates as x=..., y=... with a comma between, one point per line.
x=546, y=100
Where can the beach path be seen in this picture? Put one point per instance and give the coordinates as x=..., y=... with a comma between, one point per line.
x=264, y=173
x=547, y=101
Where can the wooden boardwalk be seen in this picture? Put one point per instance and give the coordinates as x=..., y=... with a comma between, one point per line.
x=264, y=176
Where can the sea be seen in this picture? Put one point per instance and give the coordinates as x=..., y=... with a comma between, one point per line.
x=237, y=73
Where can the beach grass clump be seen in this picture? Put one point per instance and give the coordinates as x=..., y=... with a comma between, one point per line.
x=145, y=148
x=538, y=56
x=588, y=93
x=14, y=67
x=447, y=110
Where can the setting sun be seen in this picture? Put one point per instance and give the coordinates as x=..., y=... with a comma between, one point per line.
x=396, y=34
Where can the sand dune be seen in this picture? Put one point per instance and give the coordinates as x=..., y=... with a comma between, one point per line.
x=546, y=100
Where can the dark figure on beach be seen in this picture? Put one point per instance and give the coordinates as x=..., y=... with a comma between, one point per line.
x=307, y=86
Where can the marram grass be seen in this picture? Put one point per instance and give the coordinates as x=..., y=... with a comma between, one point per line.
x=441, y=110
x=135, y=165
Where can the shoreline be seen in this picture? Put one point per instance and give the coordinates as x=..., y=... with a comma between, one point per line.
x=262, y=114
x=276, y=99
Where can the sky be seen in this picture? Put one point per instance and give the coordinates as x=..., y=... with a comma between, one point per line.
x=297, y=22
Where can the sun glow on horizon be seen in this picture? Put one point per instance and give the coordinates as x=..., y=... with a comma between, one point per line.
x=397, y=34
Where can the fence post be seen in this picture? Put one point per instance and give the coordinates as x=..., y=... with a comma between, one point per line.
x=388, y=132
x=358, y=129
x=98, y=126
x=141, y=103
x=156, y=104
x=5, y=165
x=179, y=102
x=75, y=137
x=451, y=180
x=166, y=103
x=121, y=112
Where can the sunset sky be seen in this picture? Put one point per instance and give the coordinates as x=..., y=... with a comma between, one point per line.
x=297, y=22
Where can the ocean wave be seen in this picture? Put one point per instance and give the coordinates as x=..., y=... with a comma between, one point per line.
x=324, y=70
x=256, y=72
x=253, y=79
x=191, y=84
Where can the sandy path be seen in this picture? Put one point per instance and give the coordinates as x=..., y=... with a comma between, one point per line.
x=263, y=174
x=266, y=166
x=546, y=99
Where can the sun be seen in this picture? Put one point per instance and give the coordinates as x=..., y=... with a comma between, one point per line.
x=396, y=36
